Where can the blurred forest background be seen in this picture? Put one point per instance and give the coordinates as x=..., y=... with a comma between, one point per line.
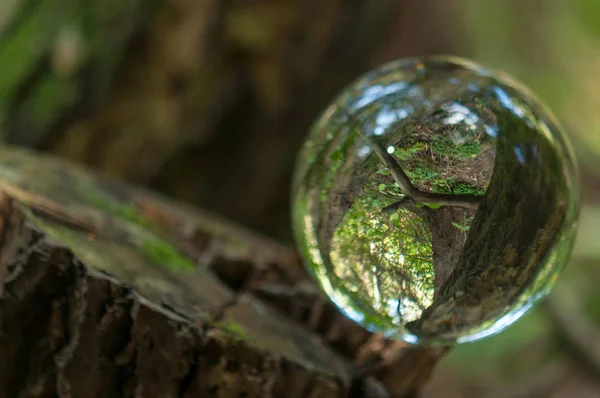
x=208, y=101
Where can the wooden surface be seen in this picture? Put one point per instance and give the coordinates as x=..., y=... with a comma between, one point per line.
x=112, y=291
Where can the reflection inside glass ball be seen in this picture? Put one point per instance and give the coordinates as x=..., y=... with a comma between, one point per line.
x=435, y=201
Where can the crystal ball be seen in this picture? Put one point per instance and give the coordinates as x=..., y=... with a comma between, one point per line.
x=435, y=201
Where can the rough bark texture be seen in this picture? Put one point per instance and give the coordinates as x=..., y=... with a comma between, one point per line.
x=447, y=240
x=83, y=313
x=521, y=216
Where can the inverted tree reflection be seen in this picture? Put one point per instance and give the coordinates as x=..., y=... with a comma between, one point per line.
x=387, y=260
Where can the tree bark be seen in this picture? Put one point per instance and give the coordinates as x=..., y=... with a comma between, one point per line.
x=89, y=310
x=447, y=241
x=522, y=216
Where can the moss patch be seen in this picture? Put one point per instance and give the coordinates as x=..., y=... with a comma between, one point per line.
x=162, y=253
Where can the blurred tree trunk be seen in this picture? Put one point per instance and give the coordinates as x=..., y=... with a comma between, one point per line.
x=207, y=100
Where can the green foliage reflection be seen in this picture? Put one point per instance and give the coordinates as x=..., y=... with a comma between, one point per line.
x=387, y=258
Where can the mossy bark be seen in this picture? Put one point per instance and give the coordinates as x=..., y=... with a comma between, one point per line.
x=148, y=297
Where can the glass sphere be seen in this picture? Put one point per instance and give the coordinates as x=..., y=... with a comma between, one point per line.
x=435, y=200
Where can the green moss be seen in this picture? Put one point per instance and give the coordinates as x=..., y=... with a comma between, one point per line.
x=423, y=174
x=450, y=186
x=162, y=253
x=130, y=213
x=156, y=250
x=443, y=146
x=124, y=211
x=235, y=330
x=421, y=161
x=408, y=153
x=464, y=189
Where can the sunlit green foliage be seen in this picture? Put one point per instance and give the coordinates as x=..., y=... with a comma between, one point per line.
x=387, y=258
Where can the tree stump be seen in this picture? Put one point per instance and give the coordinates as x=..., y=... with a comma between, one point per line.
x=113, y=291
